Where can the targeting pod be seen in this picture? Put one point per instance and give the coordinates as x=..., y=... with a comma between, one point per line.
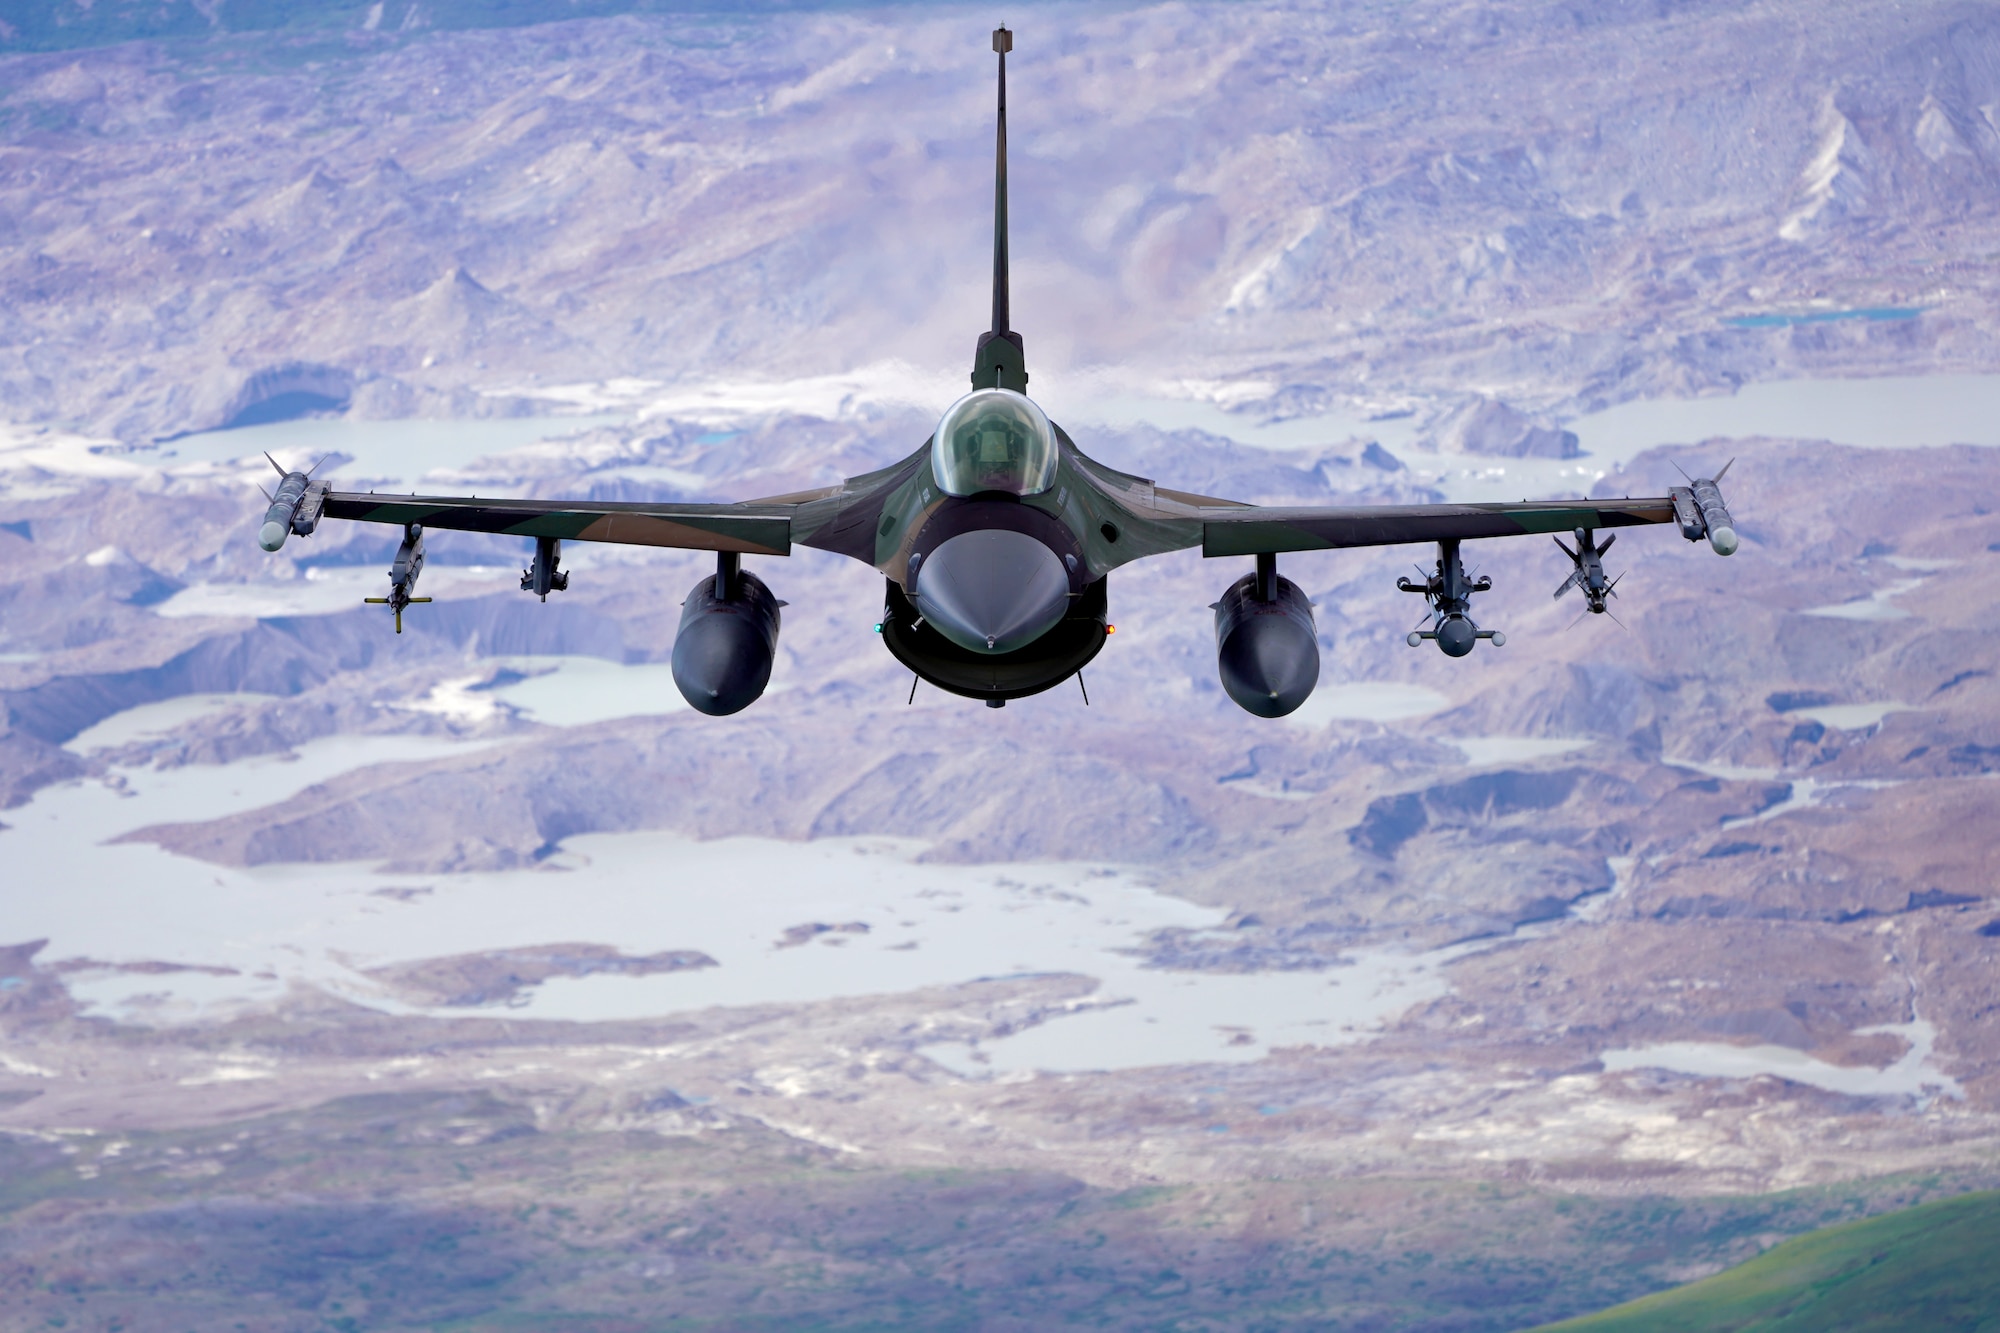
x=1266, y=645
x=295, y=507
x=728, y=638
x=1699, y=510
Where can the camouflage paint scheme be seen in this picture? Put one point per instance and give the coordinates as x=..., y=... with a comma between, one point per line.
x=875, y=518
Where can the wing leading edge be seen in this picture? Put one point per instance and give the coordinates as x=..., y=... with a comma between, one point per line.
x=839, y=518
x=1262, y=531
x=749, y=529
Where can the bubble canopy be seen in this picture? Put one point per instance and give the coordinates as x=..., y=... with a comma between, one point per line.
x=994, y=440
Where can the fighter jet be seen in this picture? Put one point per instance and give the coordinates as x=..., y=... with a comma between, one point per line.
x=996, y=540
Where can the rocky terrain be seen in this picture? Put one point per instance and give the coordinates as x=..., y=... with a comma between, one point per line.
x=1753, y=820
x=1307, y=202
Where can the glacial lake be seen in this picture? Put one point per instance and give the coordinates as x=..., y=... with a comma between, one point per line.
x=1911, y=1076
x=396, y=454
x=262, y=929
x=270, y=927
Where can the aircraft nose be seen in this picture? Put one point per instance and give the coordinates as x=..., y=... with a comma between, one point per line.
x=992, y=590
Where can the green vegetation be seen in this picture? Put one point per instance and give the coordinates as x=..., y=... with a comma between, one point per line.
x=457, y=1212
x=1932, y=1267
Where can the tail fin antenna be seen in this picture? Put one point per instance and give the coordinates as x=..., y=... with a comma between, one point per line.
x=1003, y=42
x=1000, y=362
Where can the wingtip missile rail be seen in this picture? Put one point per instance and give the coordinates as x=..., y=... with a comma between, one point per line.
x=1700, y=512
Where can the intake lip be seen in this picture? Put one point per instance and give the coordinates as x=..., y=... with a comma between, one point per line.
x=992, y=590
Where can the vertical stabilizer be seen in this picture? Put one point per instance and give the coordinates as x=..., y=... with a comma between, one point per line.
x=1000, y=361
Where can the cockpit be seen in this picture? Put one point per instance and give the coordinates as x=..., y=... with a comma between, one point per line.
x=994, y=440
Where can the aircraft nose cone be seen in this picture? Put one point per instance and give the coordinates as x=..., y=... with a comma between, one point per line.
x=992, y=590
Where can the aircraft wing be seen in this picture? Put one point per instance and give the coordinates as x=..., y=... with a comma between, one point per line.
x=1255, y=530
x=757, y=528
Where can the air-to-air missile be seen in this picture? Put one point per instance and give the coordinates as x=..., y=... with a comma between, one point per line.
x=1699, y=510
x=295, y=507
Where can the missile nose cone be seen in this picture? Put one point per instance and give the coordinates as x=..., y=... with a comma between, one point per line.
x=272, y=535
x=1723, y=540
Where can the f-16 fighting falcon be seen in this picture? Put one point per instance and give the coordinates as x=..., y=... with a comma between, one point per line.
x=997, y=539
